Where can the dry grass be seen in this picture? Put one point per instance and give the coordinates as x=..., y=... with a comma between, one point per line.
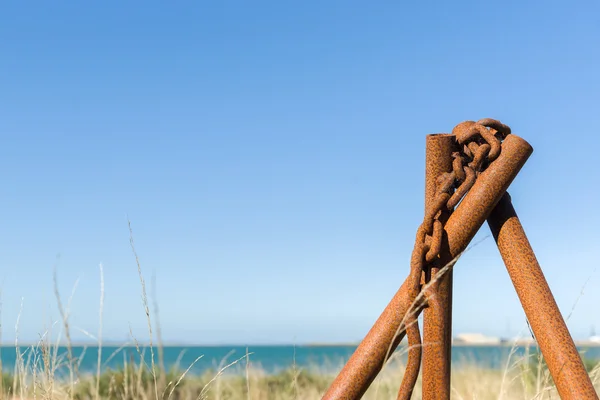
x=521, y=380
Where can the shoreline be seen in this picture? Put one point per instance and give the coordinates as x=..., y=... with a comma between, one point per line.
x=578, y=343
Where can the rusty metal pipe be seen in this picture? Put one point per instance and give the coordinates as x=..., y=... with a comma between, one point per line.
x=551, y=333
x=368, y=359
x=437, y=317
x=470, y=214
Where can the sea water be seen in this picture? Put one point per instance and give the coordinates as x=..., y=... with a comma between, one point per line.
x=271, y=359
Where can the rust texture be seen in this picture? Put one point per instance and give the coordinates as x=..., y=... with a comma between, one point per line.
x=368, y=359
x=370, y=356
x=410, y=321
x=468, y=217
x=456, y=173
x=549, y=328
x=437, y=317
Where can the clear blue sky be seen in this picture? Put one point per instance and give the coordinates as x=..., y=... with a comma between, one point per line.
x=270, y=156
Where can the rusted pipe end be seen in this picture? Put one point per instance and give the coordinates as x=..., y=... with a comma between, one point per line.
x=485, y=193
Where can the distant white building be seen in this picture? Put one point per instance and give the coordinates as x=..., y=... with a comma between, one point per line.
x=523, y=341
x=593, y=337
x=476, y=338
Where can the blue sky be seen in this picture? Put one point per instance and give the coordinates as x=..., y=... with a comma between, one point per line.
x=270, y=157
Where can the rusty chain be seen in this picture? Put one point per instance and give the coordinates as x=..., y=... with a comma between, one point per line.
x=459, y=198
x=480, y=144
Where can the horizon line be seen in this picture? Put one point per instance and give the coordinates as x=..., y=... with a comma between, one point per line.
x=457, y=343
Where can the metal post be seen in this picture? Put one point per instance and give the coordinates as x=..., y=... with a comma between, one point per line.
x=465, y=221
x=368, y=359
x=551, y=333
x=437, y=316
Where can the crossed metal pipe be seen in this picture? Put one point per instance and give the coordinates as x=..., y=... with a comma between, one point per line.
x=487, y=199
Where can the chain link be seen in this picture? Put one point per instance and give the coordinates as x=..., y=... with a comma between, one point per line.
x=480, y=144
